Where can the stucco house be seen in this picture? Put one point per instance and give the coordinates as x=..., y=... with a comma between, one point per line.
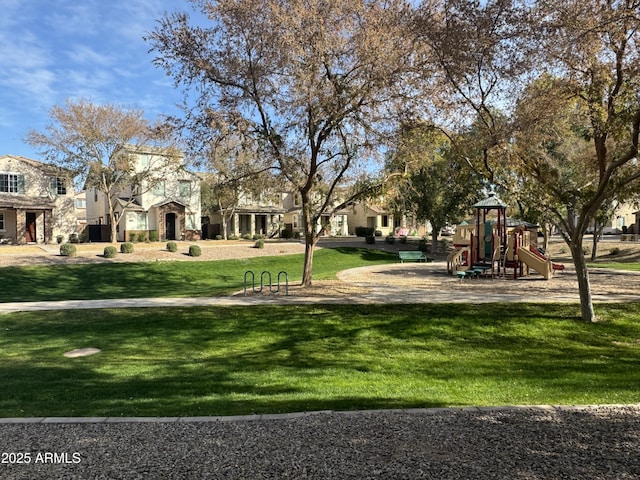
x=36, y=201
x=335, y=224
x=252, y=215
x=166, y=202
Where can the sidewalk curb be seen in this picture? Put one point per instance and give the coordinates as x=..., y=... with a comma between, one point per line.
x=294, y=415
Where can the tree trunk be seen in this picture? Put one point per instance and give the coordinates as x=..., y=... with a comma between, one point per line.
x=594, y=248
x=307, y=273
x=434, y=241
x=223, y=219
x=584, y=286
x=310, y=240
x=113, y=225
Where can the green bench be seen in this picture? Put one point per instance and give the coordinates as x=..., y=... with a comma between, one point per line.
x=413, y=255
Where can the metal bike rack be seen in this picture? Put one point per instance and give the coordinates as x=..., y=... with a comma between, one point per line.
x=250, y=275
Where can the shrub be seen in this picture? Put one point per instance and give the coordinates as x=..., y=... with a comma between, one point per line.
x=73, y=238
x=153, y=236
x=259, y=243
x=142, y=237
x=370, y=239
x=59, y=239
x=133, y=236
x=194, y=251
x=68, y=250
x=247, y=236
x=218, y=237
x=126, y=247
x=233, y=236
x=286, y=233
x=390, y=239
x=172, y=246
x=364, y=232
x=614, y=251
x=110, y=251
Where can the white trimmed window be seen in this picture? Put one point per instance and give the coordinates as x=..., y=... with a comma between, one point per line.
x=58, y=186
x=159, y=189
x=141, y=221
x=11, y=183
x=184, y=188
x=190, y=222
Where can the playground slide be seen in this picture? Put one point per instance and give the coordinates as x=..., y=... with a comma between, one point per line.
x=539, y=264
x=555, y=266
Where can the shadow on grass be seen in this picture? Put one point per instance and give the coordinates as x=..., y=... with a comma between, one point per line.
x=166, y=279
x=240, y=360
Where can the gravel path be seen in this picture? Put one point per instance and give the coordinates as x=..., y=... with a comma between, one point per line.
x=533, y=443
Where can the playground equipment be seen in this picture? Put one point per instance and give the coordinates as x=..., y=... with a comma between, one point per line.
x=491, y=246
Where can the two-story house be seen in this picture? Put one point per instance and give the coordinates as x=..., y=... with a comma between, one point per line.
x=335, y=224
x=251, y=215
x=166, y=200
x=36, y=201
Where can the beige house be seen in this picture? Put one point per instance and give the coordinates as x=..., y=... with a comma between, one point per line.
x=332, y=224
x=36, y=202
x=260, y=215
x=167, y=201
x=272, y=214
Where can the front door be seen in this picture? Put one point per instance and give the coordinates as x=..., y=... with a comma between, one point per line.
x=30, y=235
x=170, y=221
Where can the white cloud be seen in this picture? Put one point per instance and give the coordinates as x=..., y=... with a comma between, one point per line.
x=81, y=54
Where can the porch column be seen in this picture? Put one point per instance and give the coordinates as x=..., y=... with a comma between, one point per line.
x=252, y=224
x=236, y=224
x=21, y=226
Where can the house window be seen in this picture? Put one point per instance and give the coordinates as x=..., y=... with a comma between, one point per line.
x=144, y=160
x=58, y=186
x=81, y=203
x=190, y=222
x=159, y=189
x=11, y=183
x=385, y=220
x=2, y=222
x=141, y=221
x=184, y=189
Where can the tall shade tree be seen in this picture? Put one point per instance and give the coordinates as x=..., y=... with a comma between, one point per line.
x=97, y=143
x=593, y=50
x=313, y=81
x=437, y=185
x=480, y=58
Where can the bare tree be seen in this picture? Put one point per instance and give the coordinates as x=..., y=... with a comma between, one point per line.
x=234, y=162
x=312, y=81
x=98, y=144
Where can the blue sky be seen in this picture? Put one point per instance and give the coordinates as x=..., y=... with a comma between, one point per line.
x=52, y=50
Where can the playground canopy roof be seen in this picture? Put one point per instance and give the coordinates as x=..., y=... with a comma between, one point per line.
x=492, y=201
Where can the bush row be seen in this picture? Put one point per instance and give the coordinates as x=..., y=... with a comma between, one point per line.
x=70, y=250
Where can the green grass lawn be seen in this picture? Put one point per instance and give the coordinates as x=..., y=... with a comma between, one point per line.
x=169, y=279
x=629, y=266
x=266, y=359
